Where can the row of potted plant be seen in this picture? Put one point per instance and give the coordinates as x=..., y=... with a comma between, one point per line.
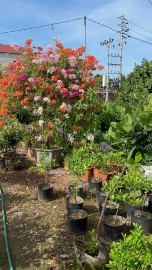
x=88, y=161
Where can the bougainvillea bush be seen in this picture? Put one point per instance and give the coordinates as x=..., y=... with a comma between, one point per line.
x=52, y=89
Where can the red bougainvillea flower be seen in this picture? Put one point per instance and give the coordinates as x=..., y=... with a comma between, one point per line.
x=50, y=124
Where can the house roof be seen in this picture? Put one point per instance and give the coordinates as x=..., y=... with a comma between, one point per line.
x=8, y=49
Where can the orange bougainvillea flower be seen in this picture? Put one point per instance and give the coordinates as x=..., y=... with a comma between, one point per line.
x=100, y=67
x=10, y=116
x=50, y=133
x=1, y=123
x=50, y=124
x=28, y=42
x=74, y=128
x=39, y=79
x=53, y=102
x=39, y=48
x=84, y=79
x=83, y=86
x=62, y=109
x=18, y=94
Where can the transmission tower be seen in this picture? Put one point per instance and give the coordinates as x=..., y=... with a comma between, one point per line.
x=123, y=35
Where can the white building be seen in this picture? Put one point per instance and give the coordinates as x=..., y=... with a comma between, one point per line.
x=7, y=54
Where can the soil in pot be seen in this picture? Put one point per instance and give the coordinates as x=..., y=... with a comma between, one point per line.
x=95, y=184
x=110, y=209
x=73, y=203
x=78, y=189
x=45, y=192
x=77, y=222
x=143, y=219
x=114, y=226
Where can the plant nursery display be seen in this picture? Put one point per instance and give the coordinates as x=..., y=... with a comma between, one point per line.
x=52, y=89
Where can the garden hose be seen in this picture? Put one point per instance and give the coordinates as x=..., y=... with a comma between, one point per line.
x=5, y=231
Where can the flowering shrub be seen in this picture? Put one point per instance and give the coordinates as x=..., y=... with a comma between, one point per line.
x=55, y=85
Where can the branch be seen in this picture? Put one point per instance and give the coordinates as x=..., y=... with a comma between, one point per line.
x=104, y=205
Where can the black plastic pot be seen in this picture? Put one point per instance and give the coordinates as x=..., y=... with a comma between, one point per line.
x=77, y=222
x=100, y=196
x=110, y=209
x=150, y=204
x=143, y=219
x=114, y=226
x=71, y=190
x=95, y=184
x=130, y=208
x=75, y=204
x=45, y=192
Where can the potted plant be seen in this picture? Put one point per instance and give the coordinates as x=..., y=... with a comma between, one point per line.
x=45, y=190
x=102, y=169
x=77, y=222
x=116, y=160
x=82, y=159
x=74, y=201
x=75, y=186
x=9, y=138
x=134, y=183
x=132, y=252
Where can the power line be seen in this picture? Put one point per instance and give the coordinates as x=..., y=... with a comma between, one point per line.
x=140, y=40
x=140, y=26
x=150, y=2
x=103, y=25
x=140, y=34
x=40, y=26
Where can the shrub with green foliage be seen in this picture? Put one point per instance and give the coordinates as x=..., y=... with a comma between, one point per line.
x=133, y=252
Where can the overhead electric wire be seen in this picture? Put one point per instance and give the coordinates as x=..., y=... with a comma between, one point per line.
x=139, y=26
x=140, y=34
x=40, y=26
x=102, y=24
x=150, y=2
x=140, y=39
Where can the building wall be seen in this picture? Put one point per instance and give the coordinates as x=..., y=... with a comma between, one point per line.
x=5, y=58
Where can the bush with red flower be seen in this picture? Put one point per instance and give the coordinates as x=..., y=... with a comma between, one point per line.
x=55, y=86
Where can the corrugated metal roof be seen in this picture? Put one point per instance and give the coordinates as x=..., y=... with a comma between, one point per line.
x=8, y=49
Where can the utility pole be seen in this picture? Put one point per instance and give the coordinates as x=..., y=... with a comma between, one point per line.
x=107, y=43
x=123, y=29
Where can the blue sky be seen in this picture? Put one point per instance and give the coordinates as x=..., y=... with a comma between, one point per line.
x=20, y=14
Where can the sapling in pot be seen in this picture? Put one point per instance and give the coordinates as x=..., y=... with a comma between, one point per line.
x=93, y=244
x=45, y=190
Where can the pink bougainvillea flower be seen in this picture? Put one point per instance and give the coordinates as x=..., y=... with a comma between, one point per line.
x=22, y=77
x=36, y=98
x=15, y=46
x=19, y=86
x=32, y=81
x=75, y=94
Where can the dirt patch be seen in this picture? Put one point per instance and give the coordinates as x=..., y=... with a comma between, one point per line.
x=38, y=230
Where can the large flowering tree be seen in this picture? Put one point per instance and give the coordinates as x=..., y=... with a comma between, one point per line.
x=55, y=86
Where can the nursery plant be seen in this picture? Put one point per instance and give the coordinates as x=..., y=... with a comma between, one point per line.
x=54, y=87
x=10, y=137
x=133, y=132
x=93, y=244
x=83, y=158
x=133, y=252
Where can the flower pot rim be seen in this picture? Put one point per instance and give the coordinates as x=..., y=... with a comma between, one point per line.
x=45, y=184
x=121, y=218
x=75, y=211
x=144, y=214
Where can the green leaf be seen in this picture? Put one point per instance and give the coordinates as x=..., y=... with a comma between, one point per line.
x=138, y=157
x=130, y=153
